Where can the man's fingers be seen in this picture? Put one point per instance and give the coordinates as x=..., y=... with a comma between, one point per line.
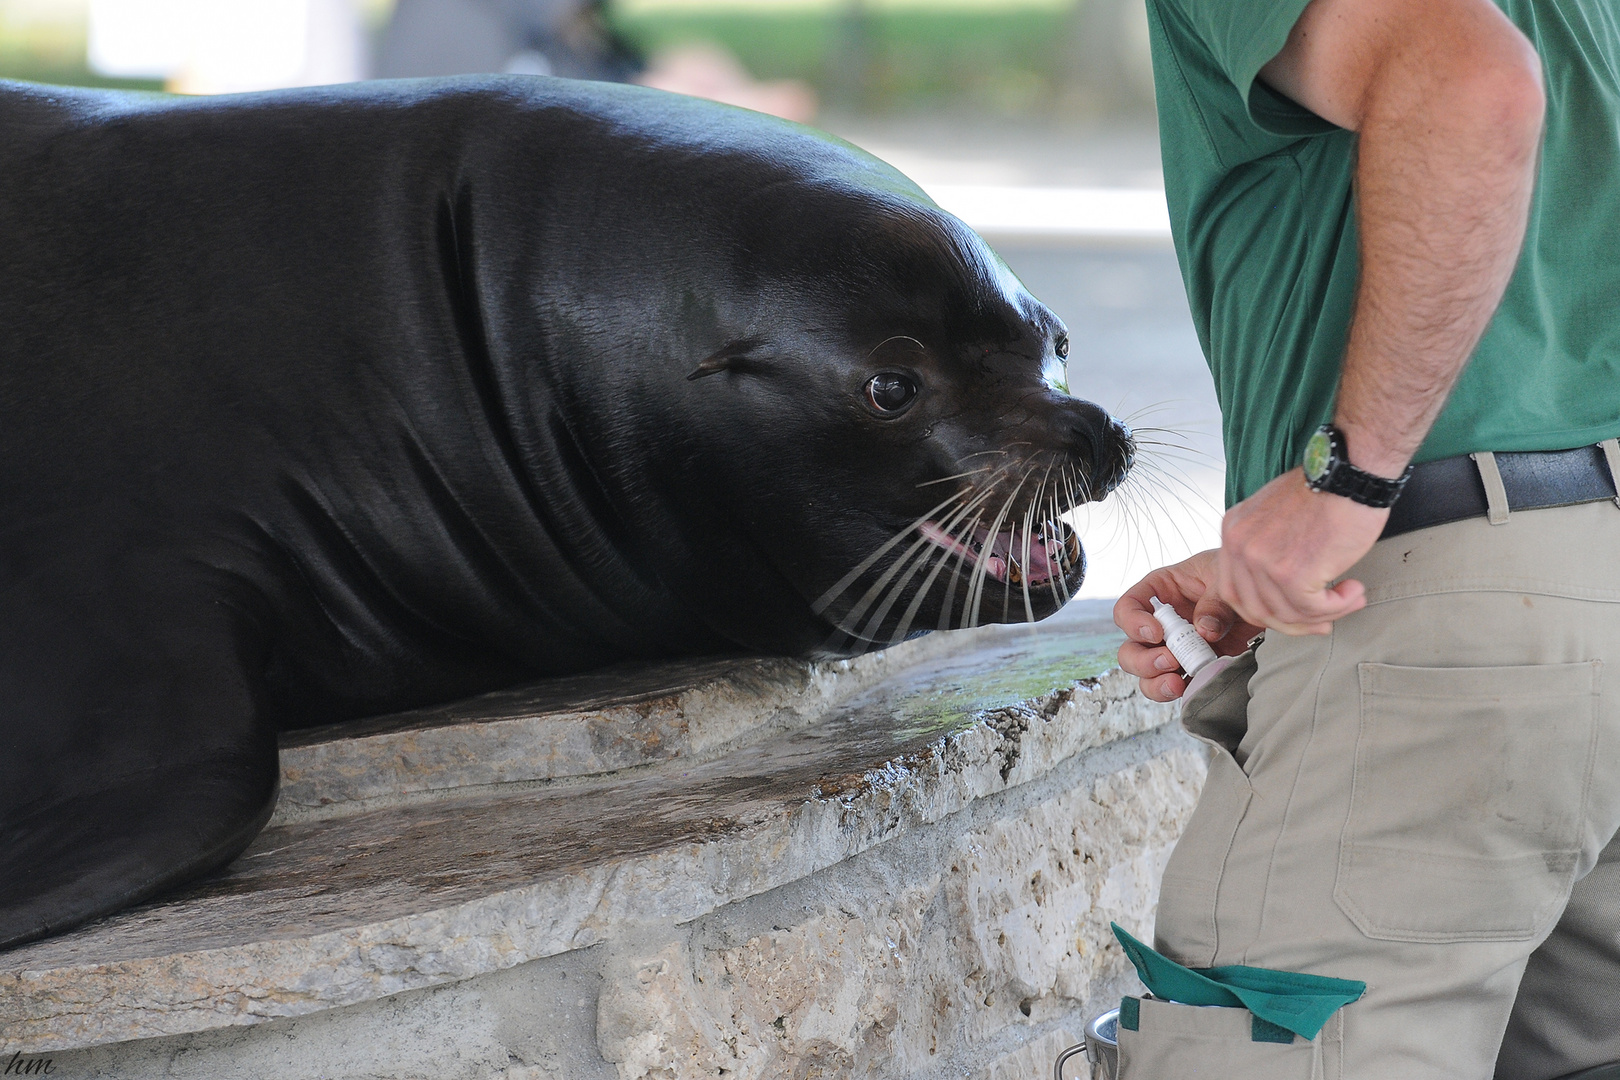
x=1214, y=617
x=1352, y=593
x=1146, y=661
x=1342, y=599
x=1154, y=669
x=1164, y=688
x=1317, y=608
x=1143, y=655
x=1132, y=615
x=1259, y=596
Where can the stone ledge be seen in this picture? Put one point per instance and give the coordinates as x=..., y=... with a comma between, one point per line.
x=362, y=902
x=606, y=721
x=969, y=947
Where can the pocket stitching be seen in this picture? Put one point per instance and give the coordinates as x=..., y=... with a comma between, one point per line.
x=1341, y=890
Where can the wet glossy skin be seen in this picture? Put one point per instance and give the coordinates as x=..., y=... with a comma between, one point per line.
x=336, y=402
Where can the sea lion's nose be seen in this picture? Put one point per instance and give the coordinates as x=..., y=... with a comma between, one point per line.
x=1105, y=443
x=1089, y=431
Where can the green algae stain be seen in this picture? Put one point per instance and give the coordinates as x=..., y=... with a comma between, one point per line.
x=950, y=697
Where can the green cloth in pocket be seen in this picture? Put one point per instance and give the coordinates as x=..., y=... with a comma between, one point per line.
x=1299, y=1002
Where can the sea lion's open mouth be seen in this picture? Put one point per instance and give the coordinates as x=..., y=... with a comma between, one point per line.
x=1013, y=556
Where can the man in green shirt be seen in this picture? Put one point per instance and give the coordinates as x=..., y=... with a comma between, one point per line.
x=1401, y=221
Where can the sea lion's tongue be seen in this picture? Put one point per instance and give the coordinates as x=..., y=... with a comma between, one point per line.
x=1004, y=556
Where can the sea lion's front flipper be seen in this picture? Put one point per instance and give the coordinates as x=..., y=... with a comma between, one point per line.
x=131, y=758
x=65, y=863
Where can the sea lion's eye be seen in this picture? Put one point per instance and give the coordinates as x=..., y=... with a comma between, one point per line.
x=1061, y=346
x=890, y=391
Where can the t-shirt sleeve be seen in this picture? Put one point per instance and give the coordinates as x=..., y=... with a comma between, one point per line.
x=1241, y=37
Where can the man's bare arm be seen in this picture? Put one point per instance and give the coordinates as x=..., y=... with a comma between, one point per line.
x=1446, y=96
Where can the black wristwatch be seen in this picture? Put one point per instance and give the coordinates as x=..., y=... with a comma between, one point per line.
x=1328, y=468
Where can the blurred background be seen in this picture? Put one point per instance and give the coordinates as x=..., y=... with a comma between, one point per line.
x=1032, y=120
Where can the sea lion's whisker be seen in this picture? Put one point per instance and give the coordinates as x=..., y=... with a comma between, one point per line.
x=956, y=576
x=1026, y=568
x=1029, y=523
x=1169, y=479
x=1154, y=467
x=1179, y=431
x=960, y=550
x=910, y=614
x=916, y=557
x=1148, y=492
x=958, y=476
x=849, y=579
x=1072, y=481
x=1165, y=451
x=894, y=592
x=1058, y=582
x=1151, y=408
x=1164, y=487
x=976, y=584
x=1162, y=437
x=847, y=621
x=1014, y=569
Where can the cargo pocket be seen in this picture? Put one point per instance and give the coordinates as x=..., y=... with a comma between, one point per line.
x=1468, y=801
x=1171, y=1042
x=1218, y=716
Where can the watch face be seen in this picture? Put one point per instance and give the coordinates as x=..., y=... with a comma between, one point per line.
x=1318, y=455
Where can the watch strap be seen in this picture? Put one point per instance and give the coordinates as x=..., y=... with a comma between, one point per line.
x=1357, y=485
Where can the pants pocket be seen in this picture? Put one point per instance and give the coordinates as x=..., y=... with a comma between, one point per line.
x=1468, y=800
x=1175, y=1042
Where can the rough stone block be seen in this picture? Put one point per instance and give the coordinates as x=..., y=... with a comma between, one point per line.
x=899, y=866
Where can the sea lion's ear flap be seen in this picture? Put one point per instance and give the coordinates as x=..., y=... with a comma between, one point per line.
x=729, y=357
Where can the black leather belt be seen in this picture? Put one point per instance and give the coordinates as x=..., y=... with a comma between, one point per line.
x=1451, y=489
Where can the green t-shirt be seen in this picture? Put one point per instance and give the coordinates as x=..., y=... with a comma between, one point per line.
x=1262, y=213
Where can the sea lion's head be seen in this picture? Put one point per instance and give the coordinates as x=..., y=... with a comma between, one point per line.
x=887, y=439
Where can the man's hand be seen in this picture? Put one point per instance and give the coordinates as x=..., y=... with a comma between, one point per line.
x=1186, y=587
x=1283, y=548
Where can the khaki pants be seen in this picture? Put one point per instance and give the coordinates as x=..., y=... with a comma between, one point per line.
x=1421, y=800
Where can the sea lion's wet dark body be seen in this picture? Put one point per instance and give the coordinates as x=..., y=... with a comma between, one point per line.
x=331, y=403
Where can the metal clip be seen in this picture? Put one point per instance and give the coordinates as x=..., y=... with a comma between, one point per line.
x=1611, y=454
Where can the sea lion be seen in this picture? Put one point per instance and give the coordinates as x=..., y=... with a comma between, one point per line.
x=334, y=402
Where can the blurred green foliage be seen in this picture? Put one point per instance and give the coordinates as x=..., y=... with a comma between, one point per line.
x=1011, y=60
x=47, y=45
x=1007, y=61
x=23, y=64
